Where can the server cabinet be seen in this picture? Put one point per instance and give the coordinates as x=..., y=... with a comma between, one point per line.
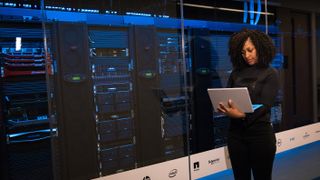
x=202, y=115
x=143, y=96
x=149, y=139
x=112, y=73
x=76, y=144
x=174, y=99
x=25, y=131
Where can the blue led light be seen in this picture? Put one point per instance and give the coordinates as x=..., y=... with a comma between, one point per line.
x=10, y=4
x=258, y=12
x=253, y=19
x=26, y=5
x=88, y=10
x=138, y=14
x=245, y=11
x=251, y=11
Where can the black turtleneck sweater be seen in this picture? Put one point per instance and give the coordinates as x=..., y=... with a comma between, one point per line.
x=263, y=86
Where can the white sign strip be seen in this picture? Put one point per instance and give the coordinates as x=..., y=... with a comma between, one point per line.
x=209, y=162
x=297, y=137
x=172, y=170
x=213, y=161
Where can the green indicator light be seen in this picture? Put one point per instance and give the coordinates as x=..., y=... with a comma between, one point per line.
x=204, y=71
x=76, y=78
x=148, y=74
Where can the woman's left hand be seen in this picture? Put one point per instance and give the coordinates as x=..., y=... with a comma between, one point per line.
x=231, y=110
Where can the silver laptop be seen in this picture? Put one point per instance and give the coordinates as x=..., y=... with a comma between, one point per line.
x=239, y=96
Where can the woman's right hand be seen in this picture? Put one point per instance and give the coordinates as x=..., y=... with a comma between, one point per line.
x=231, y=110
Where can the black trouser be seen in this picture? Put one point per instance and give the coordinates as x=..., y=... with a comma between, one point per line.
x=252, y=152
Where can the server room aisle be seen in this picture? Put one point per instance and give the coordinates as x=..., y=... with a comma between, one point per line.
x=302, y=163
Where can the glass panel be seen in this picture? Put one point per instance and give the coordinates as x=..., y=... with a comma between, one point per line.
x=118, y=88
x=209, y=27
x=25, y=130
x=91, y=89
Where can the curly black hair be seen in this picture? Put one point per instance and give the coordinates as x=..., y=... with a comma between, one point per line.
x=263, y=43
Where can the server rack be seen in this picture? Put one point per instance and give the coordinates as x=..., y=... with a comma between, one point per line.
x=75, y=147
x=24, y=121
x=174, y=98
x=113, y=96
x=202, y=136
x=140, y=112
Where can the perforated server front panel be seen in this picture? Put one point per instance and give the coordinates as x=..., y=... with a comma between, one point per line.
x=112, y=87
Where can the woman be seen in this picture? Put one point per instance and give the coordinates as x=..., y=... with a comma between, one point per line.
x=251, y=140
